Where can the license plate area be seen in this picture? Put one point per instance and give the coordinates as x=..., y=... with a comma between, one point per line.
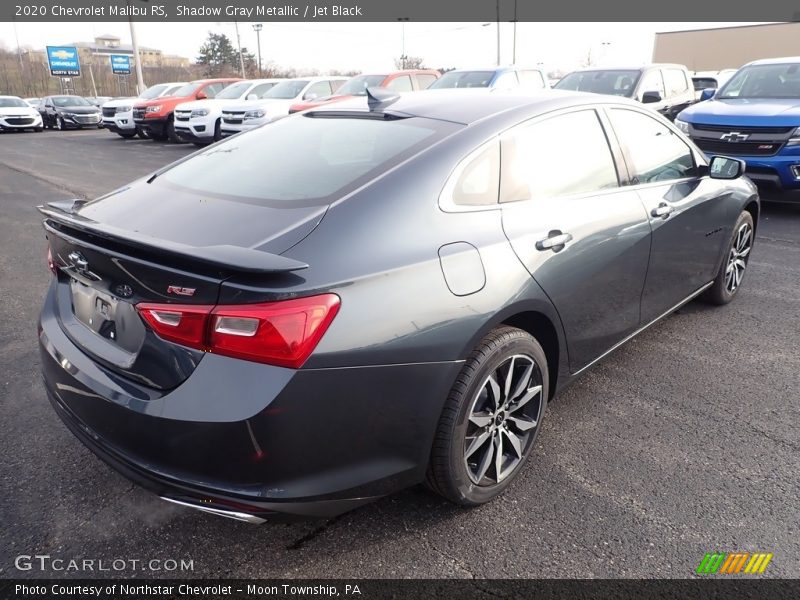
x=107, y=316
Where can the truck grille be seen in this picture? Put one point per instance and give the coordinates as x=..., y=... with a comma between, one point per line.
x=182, y=115
x=738, y=148
x=87, y=119
x=741, y=129
x=19, y=121
x=233, y=118
x=138, y=113
x=109, y=112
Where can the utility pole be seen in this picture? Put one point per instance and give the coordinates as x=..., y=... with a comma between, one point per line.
x=403, y=56
x=21, y=66
x=140, y=87
x=257, y=28
x=239, y=43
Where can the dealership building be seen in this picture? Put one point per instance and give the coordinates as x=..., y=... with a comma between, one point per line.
x=727, y=47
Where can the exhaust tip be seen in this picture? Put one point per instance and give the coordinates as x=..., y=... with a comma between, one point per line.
x=229, y=514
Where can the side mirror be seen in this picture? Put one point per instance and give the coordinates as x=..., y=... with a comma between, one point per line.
x=310, y=96
x=201, y=95
x=252, y=97
x=651, y=97
x=707, y=94
x=724, y=167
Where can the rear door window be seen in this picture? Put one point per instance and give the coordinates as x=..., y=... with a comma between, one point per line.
x=424, y=80
x=401, y=83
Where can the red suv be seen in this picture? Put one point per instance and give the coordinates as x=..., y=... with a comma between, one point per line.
x=410, y=80
x=155, y=117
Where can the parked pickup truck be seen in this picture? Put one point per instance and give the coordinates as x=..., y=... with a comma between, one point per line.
x=665, y=88
x=755, y=116
x=118, y=113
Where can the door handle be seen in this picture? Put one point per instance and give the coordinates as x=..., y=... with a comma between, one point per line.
x=555, y=241
x=663, y=210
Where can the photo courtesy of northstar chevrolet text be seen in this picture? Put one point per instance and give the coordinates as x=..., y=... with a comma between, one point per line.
x=323, y=299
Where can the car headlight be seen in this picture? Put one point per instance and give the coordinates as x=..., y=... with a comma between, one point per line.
x=199, y=112
x=121, y=109
x=795, y=139
x=255, y=114
x=682, y=125
x=153, y=109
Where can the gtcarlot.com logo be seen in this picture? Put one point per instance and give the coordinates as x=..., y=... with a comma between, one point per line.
x=46, y=562
x=734, y=563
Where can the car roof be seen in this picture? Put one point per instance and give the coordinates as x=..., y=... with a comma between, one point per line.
x=501, y=69
x=17, y=97
x=775, y=61
x=638, y=67
x=468, y=106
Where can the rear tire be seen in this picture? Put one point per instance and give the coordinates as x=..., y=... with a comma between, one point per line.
x=734, y=263
x=481, y=417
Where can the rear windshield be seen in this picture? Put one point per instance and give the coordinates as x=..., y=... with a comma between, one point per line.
x=702, y=83
x=616, y=83
x=764, y=81
x=304, y=160
x=13, y=103
x=357, y=86
x=463, y=79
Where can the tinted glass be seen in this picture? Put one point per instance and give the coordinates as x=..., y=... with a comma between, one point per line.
x=400, y=84
x=658, y=154
x=541, y=161
x=186, y=90
x=153, y=92
x=286, y=90
x=70, y=101
x=13, y=103
x=303, y=159
x=463, y=79
x=616, y=83
x=234, y=91
x=357, y=86
x=764, y=81
x=702, y=83
x=477, y=182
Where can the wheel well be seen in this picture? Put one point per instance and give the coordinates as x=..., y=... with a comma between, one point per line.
x=752, y=208
x=541, y=328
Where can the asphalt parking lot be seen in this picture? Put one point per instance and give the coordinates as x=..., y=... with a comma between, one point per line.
x=685, y=441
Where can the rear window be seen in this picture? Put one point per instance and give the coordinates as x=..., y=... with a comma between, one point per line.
x=463, y=79
x=304, y=160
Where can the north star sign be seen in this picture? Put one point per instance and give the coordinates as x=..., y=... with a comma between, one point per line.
x=120, y=64
x=63, y=61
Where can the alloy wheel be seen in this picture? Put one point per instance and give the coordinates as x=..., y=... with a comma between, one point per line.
x=502, y=420
x=737, y=258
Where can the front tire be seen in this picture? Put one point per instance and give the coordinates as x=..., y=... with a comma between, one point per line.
x=60, y=125
x=127, y=135
x=734, y=264
x=491, y=419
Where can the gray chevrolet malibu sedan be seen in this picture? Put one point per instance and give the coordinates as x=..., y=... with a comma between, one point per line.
x=376, y=293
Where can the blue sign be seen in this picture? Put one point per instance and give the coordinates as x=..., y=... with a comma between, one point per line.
x=63, y=61
x=121, y=64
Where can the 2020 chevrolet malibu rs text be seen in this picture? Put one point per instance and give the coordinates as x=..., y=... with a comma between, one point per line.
x=376, y=293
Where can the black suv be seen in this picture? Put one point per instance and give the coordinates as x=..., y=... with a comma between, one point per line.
x=666, y=88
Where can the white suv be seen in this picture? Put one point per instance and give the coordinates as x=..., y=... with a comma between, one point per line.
x=276, y=103
x=199, y=121
x=16, y=114
x=118, y=113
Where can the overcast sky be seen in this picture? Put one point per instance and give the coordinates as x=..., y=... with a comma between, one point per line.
x=374, y=46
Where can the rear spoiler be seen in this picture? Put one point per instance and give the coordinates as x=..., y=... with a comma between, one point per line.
x=236, y=258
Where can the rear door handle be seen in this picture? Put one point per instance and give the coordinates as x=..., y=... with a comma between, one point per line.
x=555, y=241
x=663, y=210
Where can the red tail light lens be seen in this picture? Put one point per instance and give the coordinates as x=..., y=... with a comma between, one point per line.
x=280, y=333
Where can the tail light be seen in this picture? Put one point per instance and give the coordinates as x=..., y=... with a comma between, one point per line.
x=279, y=333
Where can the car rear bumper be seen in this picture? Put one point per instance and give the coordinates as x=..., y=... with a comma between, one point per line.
x=252, y=438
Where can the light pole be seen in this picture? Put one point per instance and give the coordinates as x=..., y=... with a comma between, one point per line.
x=239, y=44
x=140, y=87
x=257, y=28
x=403, y=57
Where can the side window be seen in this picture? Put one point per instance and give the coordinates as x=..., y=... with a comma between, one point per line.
x=656, y=152
x=476, y=180
x=319, y=89
x=531, y=79
x=424, y=80
x=400, y=84
x=262, y=89
x=540, y=160
x=213, y=89
x=651, y=82
x=675, y=82
x=506, y=80
x=336, y=84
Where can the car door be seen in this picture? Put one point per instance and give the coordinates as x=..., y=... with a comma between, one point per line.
x=49, y=111
x=686, y=214
x=582, y=237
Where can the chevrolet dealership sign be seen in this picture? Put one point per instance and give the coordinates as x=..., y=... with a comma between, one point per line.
x=63, y=61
